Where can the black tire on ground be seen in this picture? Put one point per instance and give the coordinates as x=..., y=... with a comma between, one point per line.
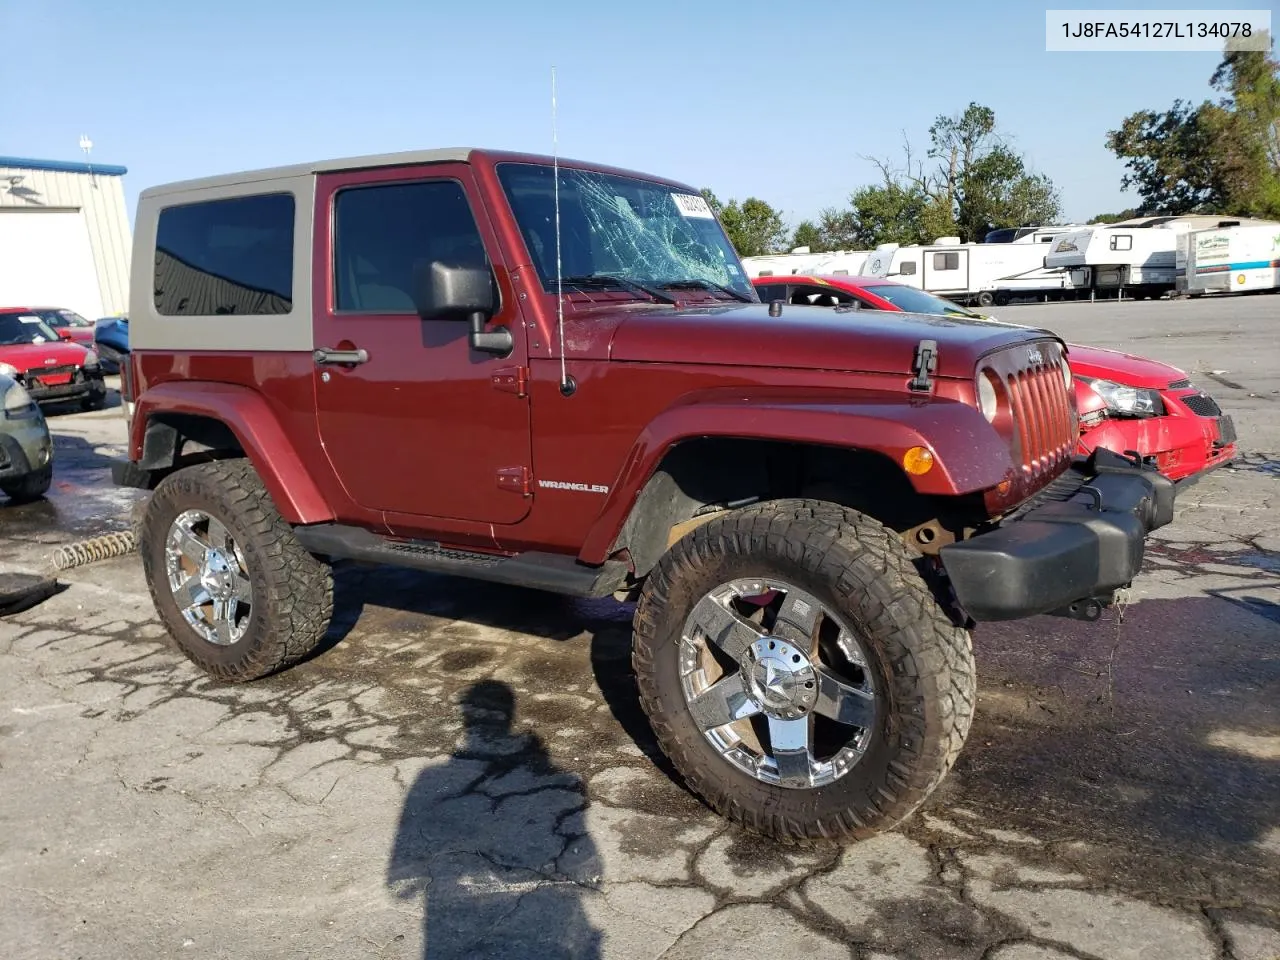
x=95, y=400
x=920, y=663
x=986, y=298
x=292, y=590
x=31, y=487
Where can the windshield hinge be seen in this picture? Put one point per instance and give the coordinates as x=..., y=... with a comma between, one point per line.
x=926, y=363
x=512, y=380
x=516, y=480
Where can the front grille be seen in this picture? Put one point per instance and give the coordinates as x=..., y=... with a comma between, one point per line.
x=1202, y=405
x=1044, y=423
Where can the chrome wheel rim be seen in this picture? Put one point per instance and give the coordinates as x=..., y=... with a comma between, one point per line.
x=208, y=578
x=778, y=683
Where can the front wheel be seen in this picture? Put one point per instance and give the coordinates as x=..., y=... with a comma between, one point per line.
x=799, y=672
x=986, y=298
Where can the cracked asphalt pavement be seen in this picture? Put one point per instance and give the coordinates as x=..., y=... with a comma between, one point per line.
x=465, y=772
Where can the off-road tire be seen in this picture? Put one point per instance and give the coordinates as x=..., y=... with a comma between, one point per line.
x=31, y=487
x=292, y=590
x=920, y=660
x=94, y=400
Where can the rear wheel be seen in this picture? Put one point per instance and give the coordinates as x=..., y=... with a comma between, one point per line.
x=799, y=672
x=236, y=591
x=986, y=298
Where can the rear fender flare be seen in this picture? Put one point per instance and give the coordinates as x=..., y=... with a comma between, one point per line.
x=969, y=455
x=260, y=435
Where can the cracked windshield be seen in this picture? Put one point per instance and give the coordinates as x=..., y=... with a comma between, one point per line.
x=622, y=233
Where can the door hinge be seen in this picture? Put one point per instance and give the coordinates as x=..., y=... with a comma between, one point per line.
x=517, y=480
x=512, y=380
x=926, y=363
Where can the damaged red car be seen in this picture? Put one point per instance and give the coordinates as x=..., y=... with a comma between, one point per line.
x=1126, y=403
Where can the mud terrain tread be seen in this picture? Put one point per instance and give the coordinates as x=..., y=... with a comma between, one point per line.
x=298, y=588
x=872, y=572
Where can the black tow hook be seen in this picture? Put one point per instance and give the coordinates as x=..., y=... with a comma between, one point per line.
x=1089, y=609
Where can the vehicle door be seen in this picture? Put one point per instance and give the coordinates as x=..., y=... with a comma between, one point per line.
x=413, y=420
x=946, y=270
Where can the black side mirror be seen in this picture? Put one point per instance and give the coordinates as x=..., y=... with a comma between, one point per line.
x=446, y=292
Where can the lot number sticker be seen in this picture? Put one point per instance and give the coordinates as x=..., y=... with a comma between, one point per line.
x=691, y=205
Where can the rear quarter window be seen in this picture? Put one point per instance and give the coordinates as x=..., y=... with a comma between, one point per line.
x=226, y=257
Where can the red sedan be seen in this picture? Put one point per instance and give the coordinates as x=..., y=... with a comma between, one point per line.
x=1126, y=403
x=49, y=367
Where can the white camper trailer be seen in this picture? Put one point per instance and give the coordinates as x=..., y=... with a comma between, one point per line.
x=800, y=260
x=1037, y=234
x=984, y=273
x=1133, y=257
x=1234, y=259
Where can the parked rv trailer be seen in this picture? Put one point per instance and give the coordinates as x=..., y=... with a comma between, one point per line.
x=1229, y=260
x=801, y=260
x=984, y=273
x=1029, y=234
x=1131, y=258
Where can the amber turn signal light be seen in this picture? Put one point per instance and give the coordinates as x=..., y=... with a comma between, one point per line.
x=917, y=460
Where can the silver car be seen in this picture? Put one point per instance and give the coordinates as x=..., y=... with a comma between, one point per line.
x=26, y=449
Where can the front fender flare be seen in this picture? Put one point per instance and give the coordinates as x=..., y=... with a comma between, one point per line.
x=969, y=455
x=256, y=428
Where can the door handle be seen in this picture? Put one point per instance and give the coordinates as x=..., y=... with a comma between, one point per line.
x=325, y=355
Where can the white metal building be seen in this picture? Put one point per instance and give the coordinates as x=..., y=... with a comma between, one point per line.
x=64, y=236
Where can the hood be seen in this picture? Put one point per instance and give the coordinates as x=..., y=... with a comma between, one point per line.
x=817, y=338
x=1121, y=367
x=55, y=353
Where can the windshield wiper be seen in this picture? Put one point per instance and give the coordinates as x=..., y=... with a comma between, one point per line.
x=708, y=285
x=608, y=280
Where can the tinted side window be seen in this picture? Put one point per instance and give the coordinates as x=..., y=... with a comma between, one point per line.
x=908, y=268
x=224, y=257
x=381, y=233
x=774, y=291
x=946, y=261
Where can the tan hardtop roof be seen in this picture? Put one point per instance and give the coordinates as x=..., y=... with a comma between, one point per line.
x=403, y=158
x=320, y=166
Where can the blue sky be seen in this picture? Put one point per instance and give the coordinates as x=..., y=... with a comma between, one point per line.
x=738, y=96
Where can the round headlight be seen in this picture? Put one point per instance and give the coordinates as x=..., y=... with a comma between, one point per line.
x=988, y=397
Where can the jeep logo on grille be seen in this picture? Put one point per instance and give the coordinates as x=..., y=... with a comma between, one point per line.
x=1035, y=356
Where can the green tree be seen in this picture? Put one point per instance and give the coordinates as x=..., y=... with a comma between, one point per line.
x=807, y=234
x=982, y=181
x=753, y=226
x=838, y=229
x=1219, y=157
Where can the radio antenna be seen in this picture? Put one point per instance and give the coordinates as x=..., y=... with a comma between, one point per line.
x=566, y=387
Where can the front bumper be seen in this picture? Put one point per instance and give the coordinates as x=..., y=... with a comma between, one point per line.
x=1079, y=539
x=84, y=383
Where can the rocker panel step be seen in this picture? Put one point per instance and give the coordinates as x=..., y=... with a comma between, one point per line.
x=553, y=572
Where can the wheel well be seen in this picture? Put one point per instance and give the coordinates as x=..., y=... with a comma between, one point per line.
x=700, y=478
x=174, y=440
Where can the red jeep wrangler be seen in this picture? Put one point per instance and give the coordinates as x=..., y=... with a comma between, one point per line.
x=559, y=376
